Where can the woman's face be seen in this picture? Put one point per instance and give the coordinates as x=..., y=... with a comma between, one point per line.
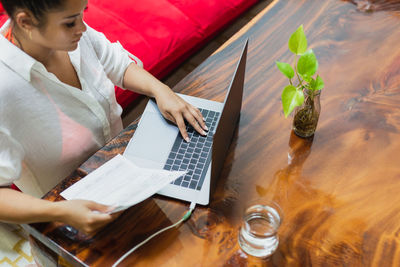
x=62, y=29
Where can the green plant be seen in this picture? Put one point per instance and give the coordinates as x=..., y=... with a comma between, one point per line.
x=301, y=75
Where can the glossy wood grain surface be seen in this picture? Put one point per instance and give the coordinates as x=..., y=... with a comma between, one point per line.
x=339, y=191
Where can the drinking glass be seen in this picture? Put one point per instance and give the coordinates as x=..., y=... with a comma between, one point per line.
x=258, y=234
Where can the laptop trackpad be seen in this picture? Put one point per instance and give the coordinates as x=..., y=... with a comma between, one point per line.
x=152, y=141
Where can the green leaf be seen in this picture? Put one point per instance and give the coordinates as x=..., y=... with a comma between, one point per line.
x=286, y=69
x=291, y=98
x=298, y=41
x=307, y=78
x=319, y=84
x=308, y=64
x=312, y=84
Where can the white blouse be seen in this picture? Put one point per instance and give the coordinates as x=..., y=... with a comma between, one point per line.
x=48, y=128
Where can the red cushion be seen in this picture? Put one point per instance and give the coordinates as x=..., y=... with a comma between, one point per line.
x=3, y=15
x=3, y=19
x=211, y=15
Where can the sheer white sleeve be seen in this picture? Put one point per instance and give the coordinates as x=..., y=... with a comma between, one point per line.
x=11, y=156
x=114, y=58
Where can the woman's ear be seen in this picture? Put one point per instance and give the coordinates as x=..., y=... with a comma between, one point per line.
x=25, y=20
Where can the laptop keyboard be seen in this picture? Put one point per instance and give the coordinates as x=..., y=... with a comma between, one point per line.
x=195, y=156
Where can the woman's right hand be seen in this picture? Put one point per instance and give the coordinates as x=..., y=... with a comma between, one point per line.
x=85, y=215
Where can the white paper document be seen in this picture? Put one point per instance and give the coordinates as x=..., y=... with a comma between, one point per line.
x=120, y=183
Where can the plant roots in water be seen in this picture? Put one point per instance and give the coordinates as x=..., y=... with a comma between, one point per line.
x=305, y=121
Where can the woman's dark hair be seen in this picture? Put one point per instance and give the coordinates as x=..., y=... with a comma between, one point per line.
x=37, y=7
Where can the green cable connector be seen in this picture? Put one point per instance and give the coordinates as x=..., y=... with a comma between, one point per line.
x=187, y=215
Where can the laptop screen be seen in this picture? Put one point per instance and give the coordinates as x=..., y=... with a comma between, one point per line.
x=228, y=119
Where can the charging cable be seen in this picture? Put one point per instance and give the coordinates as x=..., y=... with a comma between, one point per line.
x=184, y=218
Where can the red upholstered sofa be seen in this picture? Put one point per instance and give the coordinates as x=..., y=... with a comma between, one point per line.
x=162, y=33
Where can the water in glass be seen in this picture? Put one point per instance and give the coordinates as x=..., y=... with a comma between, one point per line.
x=258, y=232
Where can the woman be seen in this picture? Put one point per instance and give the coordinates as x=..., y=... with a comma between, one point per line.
x=57, y=107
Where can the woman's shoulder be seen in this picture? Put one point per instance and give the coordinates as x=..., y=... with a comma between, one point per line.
x=88, y=40
x=93, y=38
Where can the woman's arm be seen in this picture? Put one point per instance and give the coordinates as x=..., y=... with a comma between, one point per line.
x=171, y=105
x=17, y=207
x=122, y=71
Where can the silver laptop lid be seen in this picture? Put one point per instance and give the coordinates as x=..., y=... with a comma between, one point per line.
x=228, y=120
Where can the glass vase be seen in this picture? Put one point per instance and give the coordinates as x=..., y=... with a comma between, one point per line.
x=306, y=116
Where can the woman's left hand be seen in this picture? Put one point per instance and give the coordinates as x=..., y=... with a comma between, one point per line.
x=177, y=110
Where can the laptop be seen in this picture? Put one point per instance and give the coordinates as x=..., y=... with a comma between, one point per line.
x=158, y=144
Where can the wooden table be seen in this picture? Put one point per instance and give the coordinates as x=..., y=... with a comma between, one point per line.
x=339, y=192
